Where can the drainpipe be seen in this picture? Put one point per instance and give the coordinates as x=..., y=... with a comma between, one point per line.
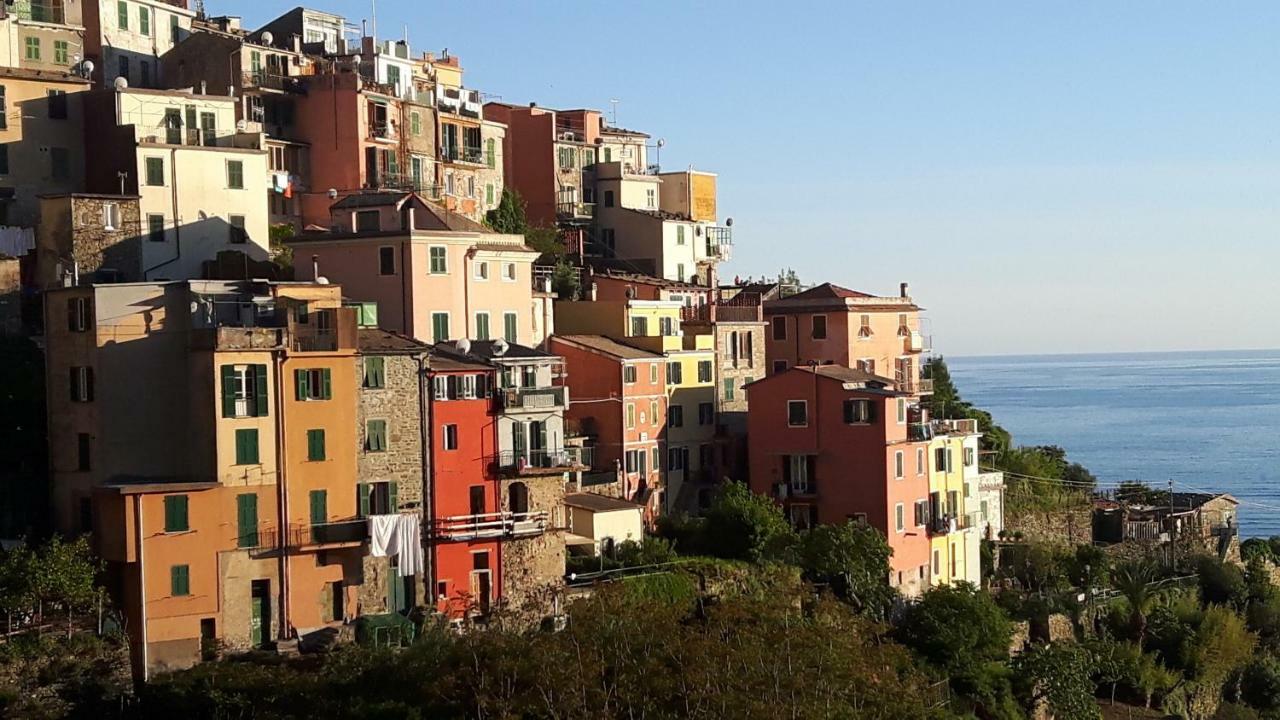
x=467, y=259
x=142, y=583
x=405, y=246
x=282, y=497
x=173, y=201
x=428, y=487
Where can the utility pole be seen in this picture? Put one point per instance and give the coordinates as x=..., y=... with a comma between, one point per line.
x=1173, y=535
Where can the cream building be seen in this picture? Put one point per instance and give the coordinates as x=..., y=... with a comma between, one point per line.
x=126, y=38
x=41, y=140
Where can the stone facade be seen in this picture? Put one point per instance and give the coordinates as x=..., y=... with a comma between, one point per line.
x=533, y=567
x=397, y=402
x=83, y=228
x=238, y=569
x=10, y=296
x=743, y=367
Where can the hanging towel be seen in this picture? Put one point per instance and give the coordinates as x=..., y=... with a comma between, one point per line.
x=16, y=241
x=409, y=536
x=382, y=535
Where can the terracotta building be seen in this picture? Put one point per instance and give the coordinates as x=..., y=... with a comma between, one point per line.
x=831, y=445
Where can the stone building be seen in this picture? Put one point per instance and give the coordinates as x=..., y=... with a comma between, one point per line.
x=390, y=459
x=96, y=237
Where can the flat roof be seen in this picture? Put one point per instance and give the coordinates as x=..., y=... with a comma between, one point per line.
x=599, y=503
x=609, y=346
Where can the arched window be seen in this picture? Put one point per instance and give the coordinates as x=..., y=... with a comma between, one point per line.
x=518, y=496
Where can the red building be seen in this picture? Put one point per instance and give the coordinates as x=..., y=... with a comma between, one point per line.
x=465, y=555
x=832, y=444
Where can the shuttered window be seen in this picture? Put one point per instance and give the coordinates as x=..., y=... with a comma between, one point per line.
x=246, y=520
x=175, y=514
x=319, y=507
x=376, y=436
x=704, y=371
x=315, y=445
x=180, y=580
x=244, y=391
x=315, y=384
x=247, y=446
x=375, y=372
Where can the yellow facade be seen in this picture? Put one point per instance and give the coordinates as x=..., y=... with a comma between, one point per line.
x=950, y=554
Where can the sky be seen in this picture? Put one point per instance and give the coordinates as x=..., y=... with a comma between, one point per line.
x=1049, y=177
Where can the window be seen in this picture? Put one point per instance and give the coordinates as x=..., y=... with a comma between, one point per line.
x=797, y=413
x=903, y=329
x=319, y=507
x=509, y=272
x=899, y=519
x=899, y=465
x=315, y=445
x=921, y=515
x=629, y=374
x=247, y=446
x=376, y=436
x=60, y=52
x=180, y=580
x=490, y=157
x=439, y=326
x=728, y=388
x=375, y=372
x=246, y=520
x=857, y=412
x=174, y=29
x=510, y=321
x=83, y=443
x=81, y=384
x=155, y=171
x=937, y=563
x=919, y=461
x=235, y=226
x=704, y=371
x=677, y=459
x=60, y=163
x=675, y=373
x=449, y=437
x=679, y=233
x=313, y=384
x=378, y=498
x=144, y=21
x=779, y=366
x=819, y=327
x=58, y=104
x=639, y=327
x=969, y=457
x=798, y=473
x=667, y=326
x=653, y=373
x=488, y=194
x=368, y=221
x=867, y=365
x=415, y=122
x=482, y=326
x=779, y=325
x=482, y=270
x=608, y=198
x=942, y=460
x=675, y=416
x=235, y=174
x=651, y=200
x=244, y=391
x=33, y=48
x=865, y=330
x=631, y=415
x=653, y=412
x=706, y=413
x=439, y=260
x=982, y=507
x=680, y=272
x=902, y=411
x=78, y=315
x=386, y=261
x=175, y=514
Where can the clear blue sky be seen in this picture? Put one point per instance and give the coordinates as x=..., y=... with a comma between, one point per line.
x=1073, y=177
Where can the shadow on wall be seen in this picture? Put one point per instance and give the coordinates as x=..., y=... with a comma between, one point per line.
x=203, y=241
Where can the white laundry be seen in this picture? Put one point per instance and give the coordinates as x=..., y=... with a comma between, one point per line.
x=16, y=241
x=398, y=536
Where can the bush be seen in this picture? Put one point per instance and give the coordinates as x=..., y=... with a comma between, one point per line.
x=1221, y=583
x=853, y=559
x=1260, y=683
x=741, y=525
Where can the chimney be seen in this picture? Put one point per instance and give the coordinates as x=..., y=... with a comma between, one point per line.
x=903, y=289
x=315, y=268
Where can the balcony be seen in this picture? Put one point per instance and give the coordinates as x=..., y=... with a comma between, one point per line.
x=342, y=533
x=382, y=131
x=914, y=342
x=547, y=398
x=955, y=427
x=328, y=330
x=923, y=386
x=719, y=242
x=238, y=338
x=539, y=462
x=796, y=489
x=463, y=154
x=575, y=211
x=919, y=432
x=946, y=524
x=489, y=525
x=263, y=80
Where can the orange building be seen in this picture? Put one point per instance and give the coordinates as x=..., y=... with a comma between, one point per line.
x=205, y=431
x=829, y=324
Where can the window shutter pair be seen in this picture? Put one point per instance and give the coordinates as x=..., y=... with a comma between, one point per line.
x=517, y=438
x=82, y=393
x=228, y=391
x=315, y=445
x=180, y=580
x=260, y=390
x=374, y=372
x=302, y=381
x=246, y=446
x=175, y=513
x=376, y=435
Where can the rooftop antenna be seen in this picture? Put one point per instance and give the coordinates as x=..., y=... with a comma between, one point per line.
x=200, y=9
x=614, y=119
x=373, y=22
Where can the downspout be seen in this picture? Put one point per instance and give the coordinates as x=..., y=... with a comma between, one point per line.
x=428, y=487
x=282, y=497
x=142, y=583
x=467, y=259
x=173, y=201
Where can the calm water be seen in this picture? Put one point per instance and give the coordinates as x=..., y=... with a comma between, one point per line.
x=1206, y=420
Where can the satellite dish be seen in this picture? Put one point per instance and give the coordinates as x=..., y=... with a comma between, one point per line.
x=500, y=347
x=322, y=280
x=333, y=193
x=464, y=346
x=241, y=125
x=267, y=37
x=122, y=83
x=88, y=67
x=728, y=222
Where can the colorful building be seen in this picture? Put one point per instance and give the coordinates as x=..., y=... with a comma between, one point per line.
x=42, y=35
x=954, y=526
x=833, y=445
x=41, y=140
x=830, y=324
x=205, y=432
x=127, y=38
x=434, y=275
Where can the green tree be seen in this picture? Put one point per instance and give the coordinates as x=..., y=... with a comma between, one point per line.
x=1221, y=583
x=853, y=559
x=1058, y=674
x=1260, y=683
x=1133, y=581
x=743, y=525
x=509, y=217
x=566, y=280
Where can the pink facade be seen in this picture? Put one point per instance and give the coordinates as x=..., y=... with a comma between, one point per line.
x=850, y=469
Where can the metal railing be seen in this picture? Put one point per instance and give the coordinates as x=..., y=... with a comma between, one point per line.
x=382, y=131
x=544, y=398
x=489, y=525
x=340, y=532
x=315, y=340
x=460, y=153
x=576, y=210
x=534, y=460
x=265, y=80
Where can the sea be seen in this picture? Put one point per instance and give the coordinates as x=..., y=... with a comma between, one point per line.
x=1205, y=420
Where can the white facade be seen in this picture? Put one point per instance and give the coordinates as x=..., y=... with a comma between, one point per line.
x=991, y=504
x=204, y=193
x=134, y=34
x=603, y=526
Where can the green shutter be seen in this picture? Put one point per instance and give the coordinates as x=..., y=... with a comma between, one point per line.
x=179, y=580
x=376, y=435
x=315, y=445
x=247, y=520
x=542, y=435
x=175, y=514
x=319, y=507
x=326, y=386
x=247, y=446
x=393, y=501
x=228, y=391
x=374, y=372
x=362, y=498
x=517, y=437
x=300, y=384
x=260, y=390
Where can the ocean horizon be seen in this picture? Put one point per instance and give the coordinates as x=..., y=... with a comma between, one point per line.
x=1207, y=420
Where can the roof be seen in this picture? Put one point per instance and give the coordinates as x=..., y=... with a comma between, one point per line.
x=483, y=351
x=370, y=199
x=827, y=291
x=639, y=279
x=599, y=503
x=377, y=340
x=844, y=374
x=1194, y=500
x=611, y=130
x=660, y=214
x=445, y=357
x=609, y=346
x=445, y=220
x=834, y=295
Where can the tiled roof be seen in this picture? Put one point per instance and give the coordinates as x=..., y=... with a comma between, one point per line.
x=844, y=374
x=609, y=346
x=483, y=351
x=661, y=214
x=599, y=503
x=826, y=291
x=445, y=357
x=610, y=130
x=370, y=199
x=441, y=219
x=640, y=279
x=378, y=340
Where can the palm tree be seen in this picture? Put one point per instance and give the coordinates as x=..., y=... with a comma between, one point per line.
x=1133, y=581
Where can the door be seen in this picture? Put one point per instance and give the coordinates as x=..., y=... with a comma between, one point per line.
x=209, y=129
x=538, y=443
x=260, y=613
x=397, y=600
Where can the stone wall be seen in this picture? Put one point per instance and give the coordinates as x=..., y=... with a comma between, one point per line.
x=10, y=296
x=533, y=567
x=237, y=570
x=82, y=235
x=396, y=403
x=1070, y=526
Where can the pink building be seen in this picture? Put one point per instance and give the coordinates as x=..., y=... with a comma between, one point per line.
x=833, y=444
x=434, y=275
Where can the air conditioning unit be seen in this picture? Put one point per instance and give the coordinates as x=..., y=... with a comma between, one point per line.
x=567, y=136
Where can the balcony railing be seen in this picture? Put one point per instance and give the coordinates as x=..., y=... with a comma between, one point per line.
x=923, y=386
x=961, y=427
x=719, y=242
x=575, y=210
x=352, y=531
x=808, y=488
x=546, y=398
x=944, y=524
x=489, y=525
x=267, y=81
x=917, y=432
x=534, y=462
x=459, y=153
x=382, y=131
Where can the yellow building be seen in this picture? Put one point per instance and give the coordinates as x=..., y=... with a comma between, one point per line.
x=41, y=140
x=654, y=325
x=953, y=529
